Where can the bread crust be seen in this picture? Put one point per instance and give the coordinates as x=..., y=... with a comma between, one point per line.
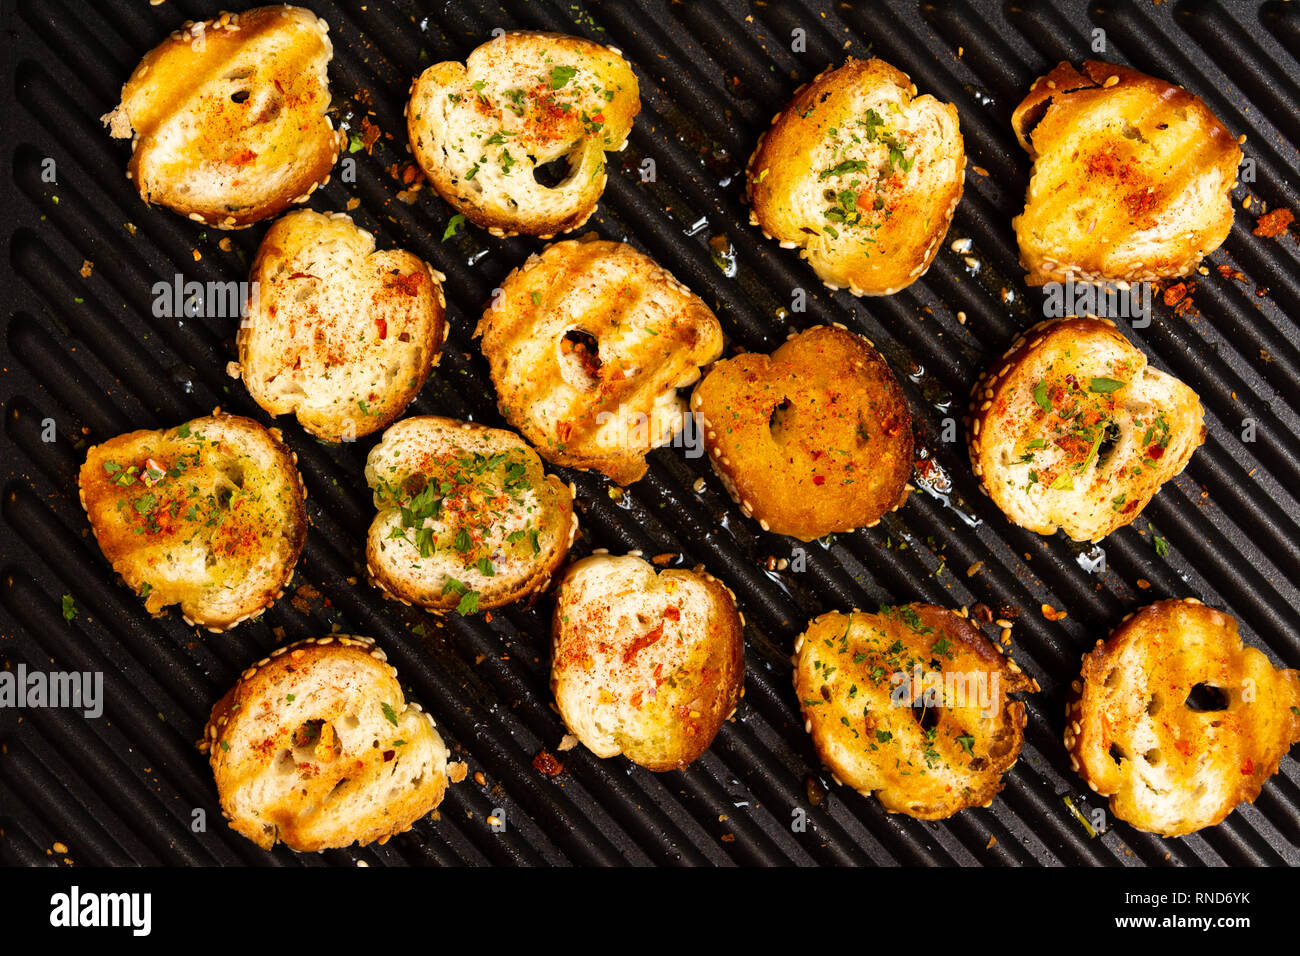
x=1131, y=177
x=339, y=334
x=1167, y=768
x=310, y=744
x=522, y=100
x=227, y=117
x=814, y=439
x=647, y=664
x=1072, y=429
x=209, y=515
x=861, y=175
x=602, y=411
x=858, y=677
x=513, y=515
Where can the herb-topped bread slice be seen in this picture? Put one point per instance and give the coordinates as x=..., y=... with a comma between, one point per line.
x=1072, y=429
x=861, y=175
x=209, y=515
x=467, y=519
x=317, y=747
x=488, y=132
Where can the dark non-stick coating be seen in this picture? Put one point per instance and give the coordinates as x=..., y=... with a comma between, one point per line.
x=87, y=353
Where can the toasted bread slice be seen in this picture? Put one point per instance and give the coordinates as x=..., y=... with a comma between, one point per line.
x=467, y=519
x=861, y=175
x=1131, y=177
x=587, y=344
x=209, y=515
x=339, y=334
x=815, y=438
x=911, y=703
x=227, y=118
x=645, y=664
x=316, y=747
x=482, y=130
x=1072, y=429
x=1139, y=732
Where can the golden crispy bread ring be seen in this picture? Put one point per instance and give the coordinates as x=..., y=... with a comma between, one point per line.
x=209, y=515
x=815, y=438
x=228, y=117
x=911, y=703
x=645, y=664
x=520, y=101
x=340, y=334
x=588, y=343
x=316, y=747
x=861, y=175
x=1131, y=176
x=467, y=519
x=1134, y=734
x=1072, y=429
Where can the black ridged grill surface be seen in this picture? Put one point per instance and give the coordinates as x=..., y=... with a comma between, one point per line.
x=88, y=353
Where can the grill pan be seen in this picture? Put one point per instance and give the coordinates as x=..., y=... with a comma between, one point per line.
x=88, y=353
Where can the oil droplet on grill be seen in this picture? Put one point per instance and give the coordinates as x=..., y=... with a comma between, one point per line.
x=724, y=255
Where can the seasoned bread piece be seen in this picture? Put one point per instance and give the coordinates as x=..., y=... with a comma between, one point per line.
x=339, y=334
x=815, y=438
x=647, y=664
x=209, y=515
x=467, y=518
x=483, y=131
x=861, y=175
x=227, y=118
x=1176, y=721
x=316, y=747
x=587, y=344
x=1072, y=429
x=1131, y=176
x=911, y=703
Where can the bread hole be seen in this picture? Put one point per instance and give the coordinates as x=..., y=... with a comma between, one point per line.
x=308, y=733
x=926, y=717
x=1206, y=697
x=1112, y=677
x=1155, y=704
x=1152, y=756
x=1109, y=438
x=240, y=96
x=350, y=722
x=580, y=359
x=336, y=791
x=826, y=693
x=285, y=763
x=1117, y=754
x=554, y=173
x=404, y=337
x=776, y=422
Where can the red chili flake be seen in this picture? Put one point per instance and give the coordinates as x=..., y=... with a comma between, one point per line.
x=673, y=614
x=382, y=324
x=1248, y=767
x=1175, y=292
x=641, y=643
x=1155, y=451
x=819, y=479
x=1273, y=223
x=242, y=158
x=410, y=284
x=546, y=764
